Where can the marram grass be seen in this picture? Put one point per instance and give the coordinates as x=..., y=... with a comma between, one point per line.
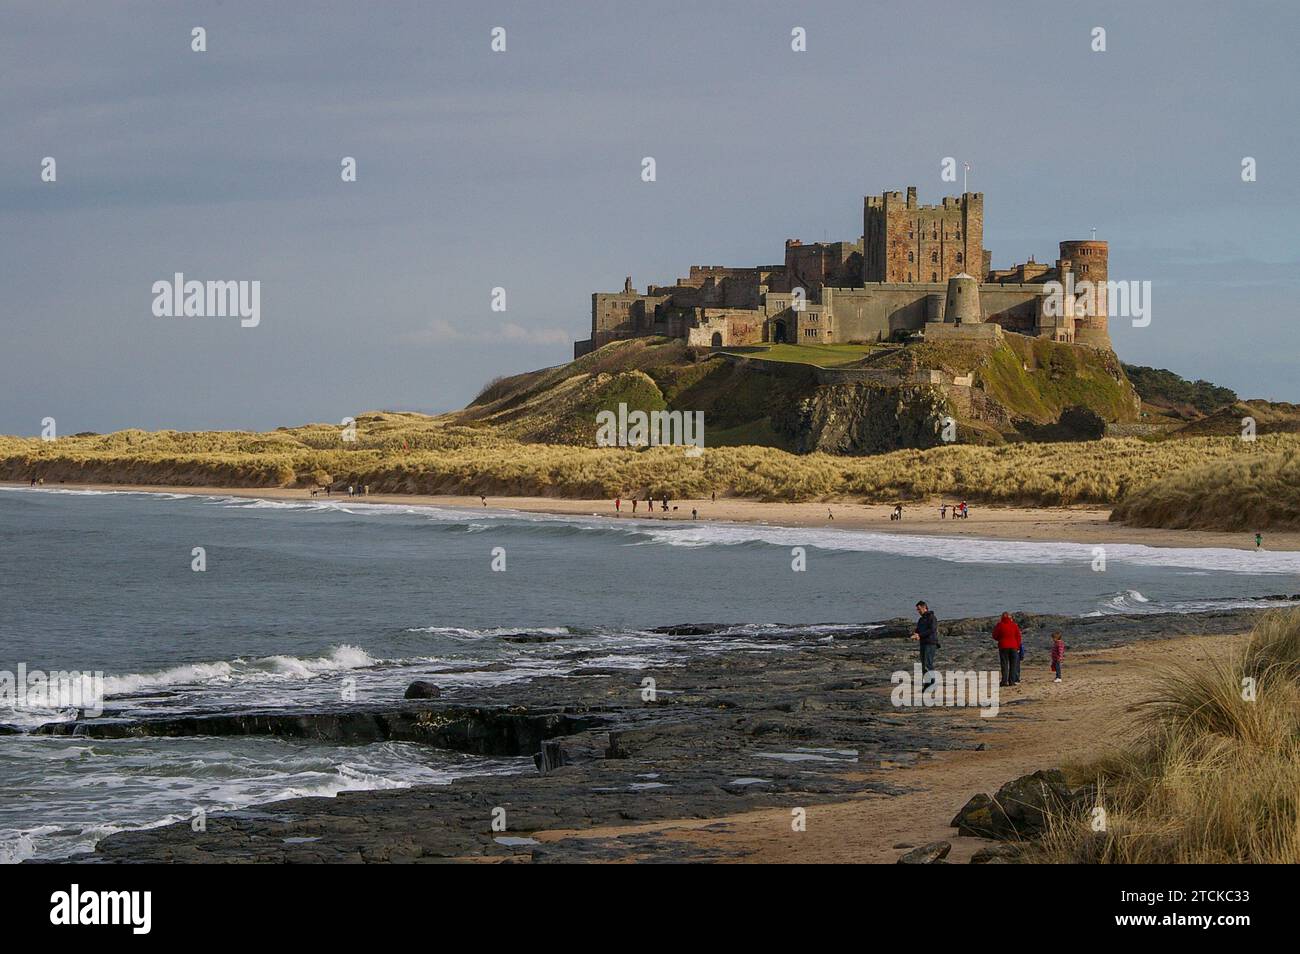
x=413, y=453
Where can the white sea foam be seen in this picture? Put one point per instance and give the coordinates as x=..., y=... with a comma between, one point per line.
x=239, y=670
x=970, y=550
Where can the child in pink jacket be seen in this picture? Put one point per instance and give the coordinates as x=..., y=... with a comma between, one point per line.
x=1058, y=653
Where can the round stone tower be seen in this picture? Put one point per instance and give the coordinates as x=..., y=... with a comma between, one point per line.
x=1088, y=264
x=962, y=305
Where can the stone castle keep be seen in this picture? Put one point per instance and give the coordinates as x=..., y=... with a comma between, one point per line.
x=913, y=270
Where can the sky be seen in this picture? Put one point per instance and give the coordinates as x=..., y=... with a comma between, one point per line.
x=521, y=170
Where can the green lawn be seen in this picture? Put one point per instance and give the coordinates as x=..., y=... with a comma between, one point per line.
x=826, y=356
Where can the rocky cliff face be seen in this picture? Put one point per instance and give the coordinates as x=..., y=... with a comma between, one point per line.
x=864, y=419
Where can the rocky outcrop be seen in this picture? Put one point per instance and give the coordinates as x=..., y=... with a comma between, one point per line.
x=497, y=731
x=864, y=419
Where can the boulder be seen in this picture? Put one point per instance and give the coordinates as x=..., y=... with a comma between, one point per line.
x=1019, y=809
x=422, y=690
x=1021, y=806
x=929, y=854
x=976, y=818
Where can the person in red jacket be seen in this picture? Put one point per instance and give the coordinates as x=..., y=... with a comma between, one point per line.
x=1007, y=635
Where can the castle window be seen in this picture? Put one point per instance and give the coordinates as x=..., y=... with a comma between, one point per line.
x=909, y=256
x=959, y=258
x=934, y=277
x=934, y=256
x=957, y=234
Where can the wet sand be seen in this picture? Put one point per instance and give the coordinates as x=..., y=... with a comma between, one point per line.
x=1062, y=524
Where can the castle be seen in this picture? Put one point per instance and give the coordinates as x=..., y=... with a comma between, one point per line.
x=913, y=270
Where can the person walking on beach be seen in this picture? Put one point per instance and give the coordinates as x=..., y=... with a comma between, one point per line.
x=1007, y=635
x=634, y=502
x=943, y=512
x=1259, y=541
x=618, y=504
x=927, y=634
x=1058, y=654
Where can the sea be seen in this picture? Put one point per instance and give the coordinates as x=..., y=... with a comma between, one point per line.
x=208, y=602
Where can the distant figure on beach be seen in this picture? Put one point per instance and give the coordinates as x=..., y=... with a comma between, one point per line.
x=483, y=498
x=694, y=513
x=1007, y=635
x=829, y=515
x=634, y=501
x=927, y=634
x=665, y=503
x=1259, y=541
x=898, y=512
x=965, y=511
x=713, y=497
x=350, y=490
x=1058, y=654
x=618, y=504
x=943, y=512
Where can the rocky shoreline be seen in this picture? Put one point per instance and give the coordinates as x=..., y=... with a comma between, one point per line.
x=796, y=719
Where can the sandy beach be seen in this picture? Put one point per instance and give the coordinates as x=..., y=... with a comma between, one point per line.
x=1063, y=524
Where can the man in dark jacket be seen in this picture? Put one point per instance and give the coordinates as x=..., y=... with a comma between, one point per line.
x=927, y=633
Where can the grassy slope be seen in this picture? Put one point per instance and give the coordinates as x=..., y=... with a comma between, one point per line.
x=1033, y=379
x=1253, y=490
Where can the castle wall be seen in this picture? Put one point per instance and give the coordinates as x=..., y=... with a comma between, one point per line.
x=1016, y=307
x=879, y=309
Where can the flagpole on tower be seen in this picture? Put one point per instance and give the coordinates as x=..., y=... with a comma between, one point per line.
x=965, y=168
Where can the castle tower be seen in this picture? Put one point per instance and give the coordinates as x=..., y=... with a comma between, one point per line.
x=962, y=306
x=906, y=242
x=1088, y=262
